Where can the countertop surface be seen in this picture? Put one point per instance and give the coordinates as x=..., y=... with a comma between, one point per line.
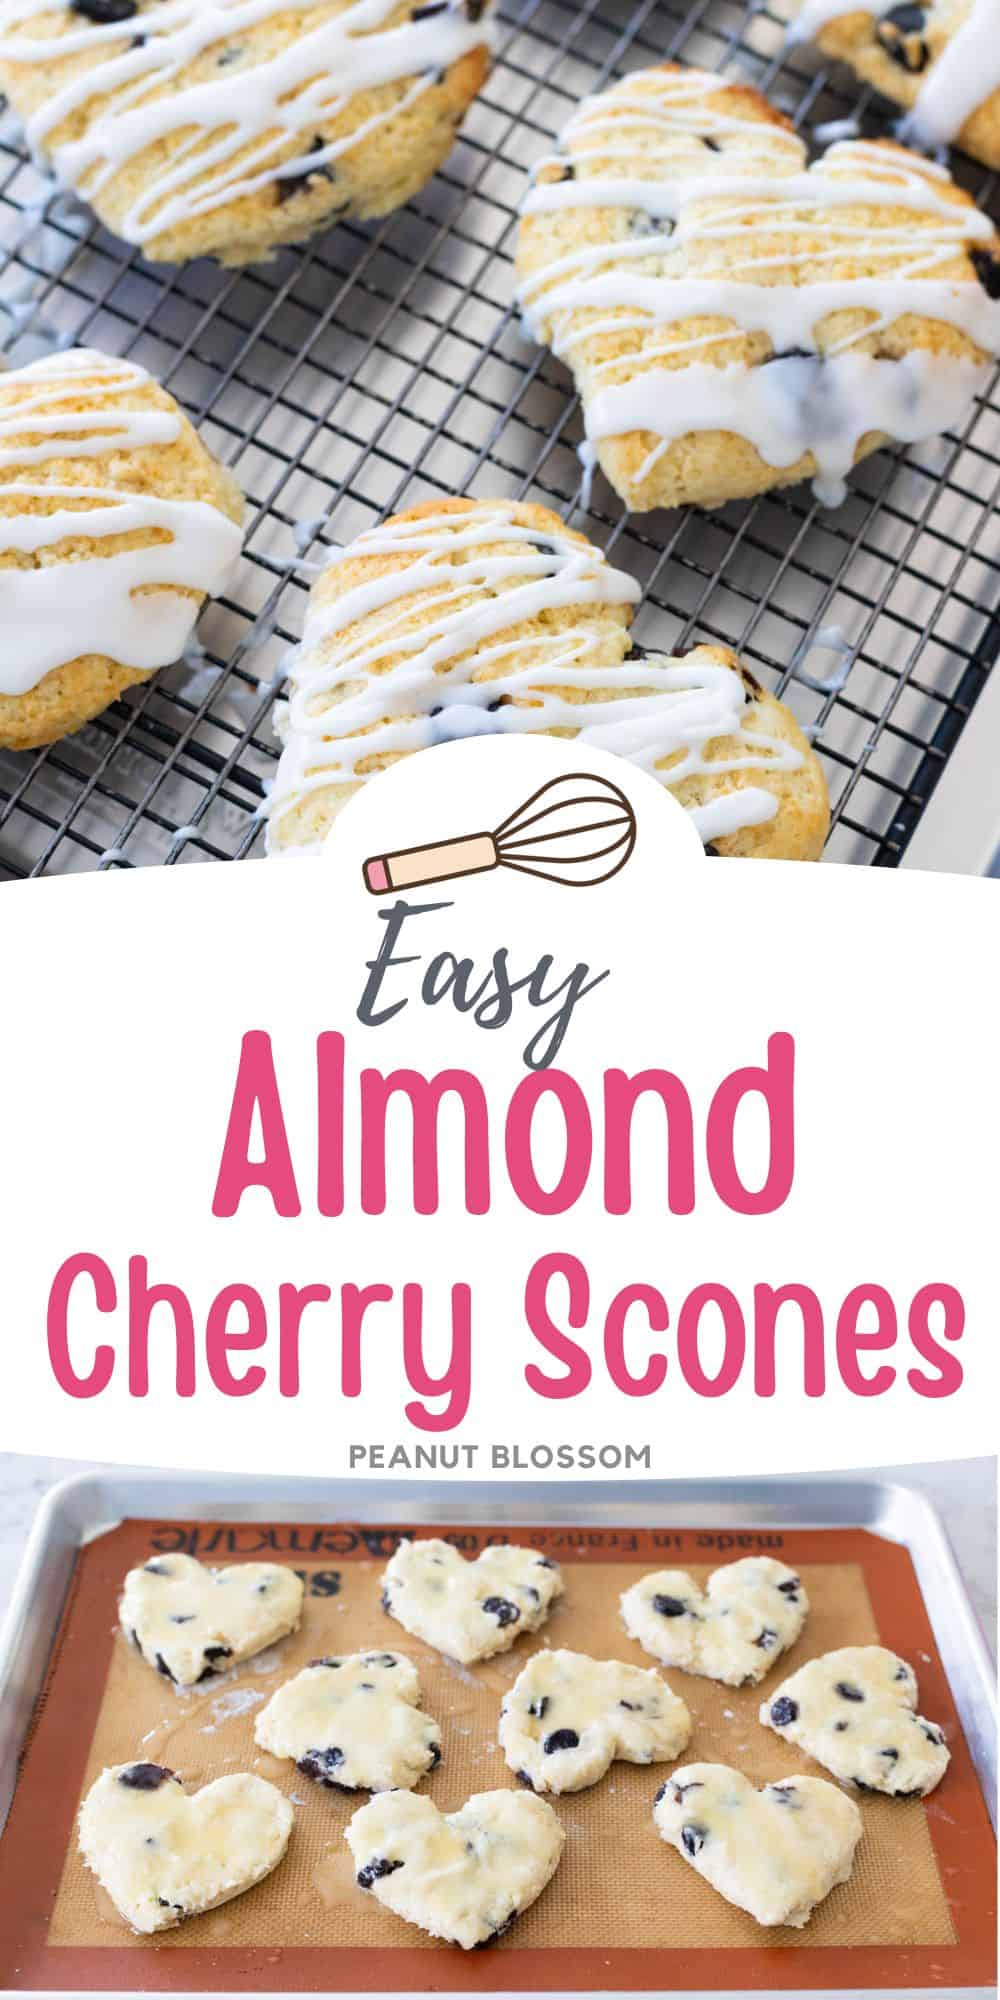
x=963, y=1491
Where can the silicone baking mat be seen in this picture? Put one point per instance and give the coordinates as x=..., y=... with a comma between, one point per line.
x=623, y=1910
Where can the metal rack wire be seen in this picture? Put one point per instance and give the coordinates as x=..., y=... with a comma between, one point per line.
x=383, y=365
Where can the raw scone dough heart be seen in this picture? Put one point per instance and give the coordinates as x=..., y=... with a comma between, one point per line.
x=732, y=1631
x=464, y=1877
x=568, y=1717
x=190, y=1622
x=469, y=1610
x=163, y=1855
x=855, y=1711
x=353, y=1723
x=776, y=1852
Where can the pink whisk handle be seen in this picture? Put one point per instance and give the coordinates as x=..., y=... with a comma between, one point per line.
x=415, y=867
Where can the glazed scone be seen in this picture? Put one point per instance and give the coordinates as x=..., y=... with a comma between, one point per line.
x=567, y=1718
x=466, y=616
x=190, y=1622
x=939, y=59
x=775, y=1852
x=227, y=131
x=733, y=1631
x=163, y=1854
x=463, y=1877
x=353, y=1723
x=115, y=524
x=734, y=320
x=855, y=1711
x=469, y=1610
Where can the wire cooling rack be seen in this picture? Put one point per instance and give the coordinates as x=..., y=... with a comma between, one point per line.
x=382, y=365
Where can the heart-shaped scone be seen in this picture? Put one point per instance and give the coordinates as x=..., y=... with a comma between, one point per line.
x=491, y=616
x=463, y=1877
x=353, y=1723
x=568, y=1717
x=855, y=1711
x=163, y=1854
x=469, y=1610
x=732, y=1631
x=190, y=1622
x=940, y=59
x=776, y=1852
x=227, y=130
x=735, y=319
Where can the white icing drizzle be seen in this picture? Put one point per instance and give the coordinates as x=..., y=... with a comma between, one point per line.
x=964, y=75
x=805, y=219
x=239, y=121
x=793, y=406
x=342, y=682
x=65, y=609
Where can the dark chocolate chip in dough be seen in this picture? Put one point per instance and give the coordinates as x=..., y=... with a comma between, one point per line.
x=693, y=1836
x=212, y=1657
x=848, y=1692
x=932, y=1733
x=561, y=1739
x=538, y=1708
x=766, y=1638
x=792, y=1584
x=321, y=1764
x=146, y=1777
x=502, y=1610
x=899, y=33
x=289, y=186
x=669, y=1607
x=374, y=1871
x=435, y=1756
x=783, y=1711
x=105, y=13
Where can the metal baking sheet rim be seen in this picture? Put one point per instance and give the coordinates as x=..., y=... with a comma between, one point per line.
x=80, y=1509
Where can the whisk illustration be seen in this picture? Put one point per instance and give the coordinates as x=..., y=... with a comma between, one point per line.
x=577, y=830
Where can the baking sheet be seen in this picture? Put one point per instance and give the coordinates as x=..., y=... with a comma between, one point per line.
x=623, y=1911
